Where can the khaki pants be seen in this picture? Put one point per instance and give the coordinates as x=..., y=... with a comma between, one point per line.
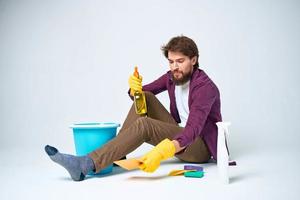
x=152, y=129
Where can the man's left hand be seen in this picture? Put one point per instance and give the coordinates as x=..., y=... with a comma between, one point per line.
x=151, y=160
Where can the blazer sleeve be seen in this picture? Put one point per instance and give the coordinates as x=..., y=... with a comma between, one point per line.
x=203, y=98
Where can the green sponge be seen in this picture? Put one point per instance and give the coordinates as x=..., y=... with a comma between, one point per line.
x=196, y=174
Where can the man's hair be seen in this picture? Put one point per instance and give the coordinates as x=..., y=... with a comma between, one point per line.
x=184, y=45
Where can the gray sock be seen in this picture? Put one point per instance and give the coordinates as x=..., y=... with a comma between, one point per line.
x=77, y=166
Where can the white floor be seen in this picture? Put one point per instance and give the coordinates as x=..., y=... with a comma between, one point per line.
x=265, y=175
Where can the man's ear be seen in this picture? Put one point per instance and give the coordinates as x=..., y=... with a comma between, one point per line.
x=194, y=60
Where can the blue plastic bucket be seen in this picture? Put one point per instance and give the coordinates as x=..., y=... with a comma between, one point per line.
x=91, y=136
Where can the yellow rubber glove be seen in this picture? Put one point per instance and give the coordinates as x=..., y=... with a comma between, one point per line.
x=151, y=160
x=135, y=84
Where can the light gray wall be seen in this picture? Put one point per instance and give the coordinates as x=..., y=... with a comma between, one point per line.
x=68, y=61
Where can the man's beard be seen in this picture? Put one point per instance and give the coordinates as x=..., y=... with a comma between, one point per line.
x=185, y=77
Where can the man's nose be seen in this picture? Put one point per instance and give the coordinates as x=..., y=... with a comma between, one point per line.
x=175, y=65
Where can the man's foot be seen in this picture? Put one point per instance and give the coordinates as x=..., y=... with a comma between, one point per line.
x=77, y=166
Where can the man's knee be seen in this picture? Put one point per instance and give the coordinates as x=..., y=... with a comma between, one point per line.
x=149, y=94
x=150, y=97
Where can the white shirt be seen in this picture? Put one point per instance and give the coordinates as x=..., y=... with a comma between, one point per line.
x=182, y=97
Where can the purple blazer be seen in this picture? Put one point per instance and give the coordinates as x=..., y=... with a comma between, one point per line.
x=204, y=106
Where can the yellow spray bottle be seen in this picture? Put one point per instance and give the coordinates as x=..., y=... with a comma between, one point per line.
x=139, y=98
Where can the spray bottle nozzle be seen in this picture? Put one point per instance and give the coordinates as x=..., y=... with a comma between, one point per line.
x=136, y=73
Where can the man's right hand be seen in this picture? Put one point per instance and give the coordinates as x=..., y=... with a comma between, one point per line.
x=135, y=84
